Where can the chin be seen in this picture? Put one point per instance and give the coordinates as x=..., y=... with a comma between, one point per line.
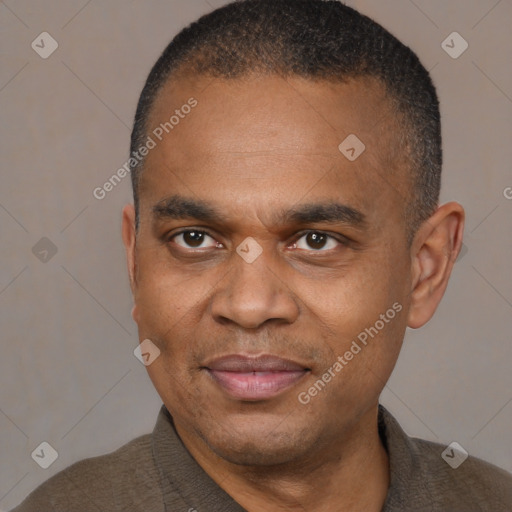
x=253, y=446
x=248, y=454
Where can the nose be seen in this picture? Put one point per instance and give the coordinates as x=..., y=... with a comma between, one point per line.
x=252, y=294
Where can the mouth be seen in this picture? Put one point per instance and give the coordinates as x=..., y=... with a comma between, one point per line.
x=253, y=378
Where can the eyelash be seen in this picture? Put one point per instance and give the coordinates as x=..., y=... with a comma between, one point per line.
x=339, y=238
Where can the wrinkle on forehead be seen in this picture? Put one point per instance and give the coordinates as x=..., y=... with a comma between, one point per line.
x=276, y=133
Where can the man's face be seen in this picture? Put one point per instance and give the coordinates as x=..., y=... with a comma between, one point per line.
x=262, y=155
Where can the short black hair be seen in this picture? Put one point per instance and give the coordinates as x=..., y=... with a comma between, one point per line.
x=315, y=39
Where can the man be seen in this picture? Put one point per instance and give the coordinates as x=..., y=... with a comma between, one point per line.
x=285, y=231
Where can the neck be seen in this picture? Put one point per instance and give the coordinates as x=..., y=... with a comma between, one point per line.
x=351, y=474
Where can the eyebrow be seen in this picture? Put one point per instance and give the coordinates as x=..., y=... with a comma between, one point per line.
x=179, y=207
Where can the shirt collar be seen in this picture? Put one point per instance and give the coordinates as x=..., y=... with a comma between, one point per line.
x=409, y=482
x=181, y=475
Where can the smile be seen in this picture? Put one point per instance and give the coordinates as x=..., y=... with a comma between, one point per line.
x=255, y=378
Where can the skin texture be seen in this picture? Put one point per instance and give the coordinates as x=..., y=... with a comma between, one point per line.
x=253, y=148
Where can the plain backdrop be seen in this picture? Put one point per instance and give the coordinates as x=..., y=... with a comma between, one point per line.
x=68, y=373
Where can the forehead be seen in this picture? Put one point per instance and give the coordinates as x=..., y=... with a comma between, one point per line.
x=269, y=102
x=280, y=140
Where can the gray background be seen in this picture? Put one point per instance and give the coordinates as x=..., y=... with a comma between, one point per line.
x=68, y=373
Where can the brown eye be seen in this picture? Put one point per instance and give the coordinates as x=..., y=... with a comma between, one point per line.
x=193, y=239
x=316, y=240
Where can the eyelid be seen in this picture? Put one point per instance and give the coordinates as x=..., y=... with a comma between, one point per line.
x=169, y=237
x=187, y=229
x=344, y=241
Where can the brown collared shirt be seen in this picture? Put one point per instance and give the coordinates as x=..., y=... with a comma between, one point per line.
x=156, y=473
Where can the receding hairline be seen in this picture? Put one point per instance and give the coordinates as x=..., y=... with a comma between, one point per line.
x=387, y=104
x=319, y=40
x=396, y=163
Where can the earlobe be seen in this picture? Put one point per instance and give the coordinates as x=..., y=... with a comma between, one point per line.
x=434, y=251
x=128, y=234
x=135, y=314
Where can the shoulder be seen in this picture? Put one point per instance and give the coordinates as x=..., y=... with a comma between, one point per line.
x=124, y=476
x=433, y=477
x=462, y=479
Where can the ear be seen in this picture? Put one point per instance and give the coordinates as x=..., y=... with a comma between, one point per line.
x=129, y=234
x=434, y=251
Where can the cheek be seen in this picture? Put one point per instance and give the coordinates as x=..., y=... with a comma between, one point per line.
x=363, y=314
x=166, y=299
x=349, y=303
x=359, y=370
x=174, y=386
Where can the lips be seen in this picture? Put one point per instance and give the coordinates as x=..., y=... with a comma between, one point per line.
x=254, y=378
